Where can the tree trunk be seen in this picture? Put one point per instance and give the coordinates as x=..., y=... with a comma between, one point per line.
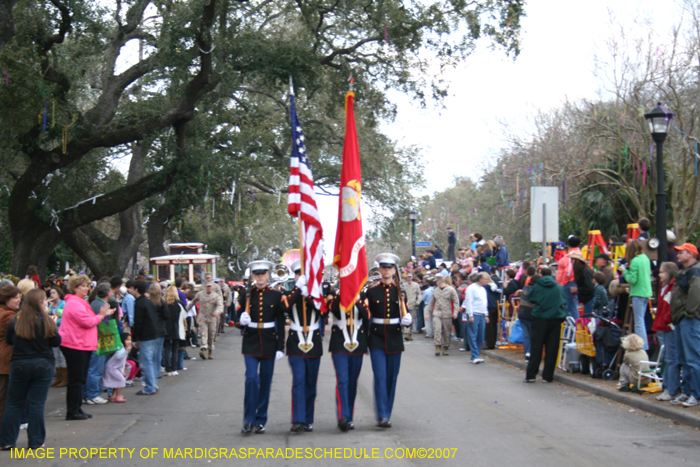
x=32, y=246
x=103, y=255
x=156, y=228
x=7, y=23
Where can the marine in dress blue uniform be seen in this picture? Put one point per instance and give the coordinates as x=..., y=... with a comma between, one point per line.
x=263, y=343
x=385, y=336
x=304, y=352
x=347, y=347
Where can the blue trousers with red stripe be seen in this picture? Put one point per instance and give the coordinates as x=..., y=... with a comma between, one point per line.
x=347, y=371
x=304, y=377
x=257, y=388
x=385, y=367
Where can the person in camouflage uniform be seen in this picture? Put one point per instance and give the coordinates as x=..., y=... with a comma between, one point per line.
x=413, y=298
x=444, y=304
x=211, y=305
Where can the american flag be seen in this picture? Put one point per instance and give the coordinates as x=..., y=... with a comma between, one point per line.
x=301, y=202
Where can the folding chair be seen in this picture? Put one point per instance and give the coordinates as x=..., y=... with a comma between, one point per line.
x=654, y=374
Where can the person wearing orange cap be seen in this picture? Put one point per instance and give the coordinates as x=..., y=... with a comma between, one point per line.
x=685, y=315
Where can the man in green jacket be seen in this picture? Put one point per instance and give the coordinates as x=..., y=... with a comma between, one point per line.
x=638, y=276
x=548, y=313
x=685, y=314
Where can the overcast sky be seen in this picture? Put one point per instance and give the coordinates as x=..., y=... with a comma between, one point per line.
x=559, y=41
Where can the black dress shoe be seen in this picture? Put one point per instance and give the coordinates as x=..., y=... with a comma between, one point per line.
x=259, y=429
x=343, y=424
x=86, y=414
x=296, y=428
x=76, y=416
x=526, y=380
x=308, y=427
x=247, y=428
x=384, y=423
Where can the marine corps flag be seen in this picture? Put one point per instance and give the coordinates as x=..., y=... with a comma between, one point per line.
x=349, y=256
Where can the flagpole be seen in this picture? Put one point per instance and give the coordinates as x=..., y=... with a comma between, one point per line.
x=351, y=311
x=303, y=299
x=301, y=245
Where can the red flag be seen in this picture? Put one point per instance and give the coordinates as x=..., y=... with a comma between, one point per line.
x=349, y=257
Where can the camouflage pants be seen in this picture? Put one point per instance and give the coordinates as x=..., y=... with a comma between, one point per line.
x=207, y=331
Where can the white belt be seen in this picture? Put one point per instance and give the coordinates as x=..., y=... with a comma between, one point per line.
x=268, y=325
x=385, y=320
x=294, y=327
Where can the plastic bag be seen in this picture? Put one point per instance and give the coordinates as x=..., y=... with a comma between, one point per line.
x=516, y=333
x=108, y=340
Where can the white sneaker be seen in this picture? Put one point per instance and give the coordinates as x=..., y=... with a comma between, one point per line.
x=174, y=373
x=167, y=373
x=691, y=402
x=680, y=399
x=96, y=401
x=664, y=396
x=23, y=426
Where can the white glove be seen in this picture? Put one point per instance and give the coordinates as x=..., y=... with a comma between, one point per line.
x=301, y=282
x=493, y=286
x=304, y=291
x=279, y=354
x=245, y=319
x=407, y=320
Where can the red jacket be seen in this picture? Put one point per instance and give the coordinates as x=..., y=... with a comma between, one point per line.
x=663, y=309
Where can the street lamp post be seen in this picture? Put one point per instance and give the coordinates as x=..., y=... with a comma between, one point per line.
x=412, y=216
x=659, y=121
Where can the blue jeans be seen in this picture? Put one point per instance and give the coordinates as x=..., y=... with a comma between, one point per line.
x=688, y=351
x=385, y=367
x=149, y=357
x=464, y=329
x=93, y=384
x=160, y=357
x=29, y=385
x=420, y=318
x=257, y=389
x=571, y=301
x=672, y=368
x=477, y=333
x=640, y=305
x=588, y=307
x=181, y=359
x=526, y=324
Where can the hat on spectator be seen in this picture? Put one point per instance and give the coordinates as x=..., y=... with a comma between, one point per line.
x=577, y=255
x=687, y=247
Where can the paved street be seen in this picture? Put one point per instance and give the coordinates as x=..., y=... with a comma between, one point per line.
x=482, y=415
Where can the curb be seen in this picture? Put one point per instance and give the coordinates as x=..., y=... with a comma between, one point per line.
x=656, y=408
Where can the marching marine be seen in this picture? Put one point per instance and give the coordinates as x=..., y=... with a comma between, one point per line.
x=347, y=347
x=263, y=343
x=304, y=350
x=387, y=313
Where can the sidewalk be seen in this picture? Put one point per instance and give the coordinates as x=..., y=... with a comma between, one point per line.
x=607, y=389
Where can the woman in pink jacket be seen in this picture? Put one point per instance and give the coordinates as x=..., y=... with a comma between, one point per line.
x=78, y=340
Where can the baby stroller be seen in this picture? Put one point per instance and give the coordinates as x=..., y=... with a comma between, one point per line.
x=606, y=339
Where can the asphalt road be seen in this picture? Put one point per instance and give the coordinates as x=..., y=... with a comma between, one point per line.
x=477, y=415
